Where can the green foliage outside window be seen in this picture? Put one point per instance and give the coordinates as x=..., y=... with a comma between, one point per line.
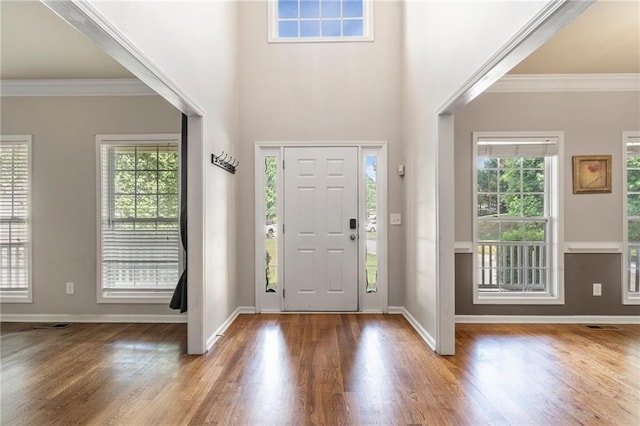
x=511, y=187
x=145, y=182
x=633, y=198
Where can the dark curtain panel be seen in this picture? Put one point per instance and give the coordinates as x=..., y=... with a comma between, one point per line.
x=179, y=299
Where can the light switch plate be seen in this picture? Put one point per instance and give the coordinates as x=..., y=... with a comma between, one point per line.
x=395, y=218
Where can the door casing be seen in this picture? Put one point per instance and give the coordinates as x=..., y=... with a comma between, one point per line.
x=368, y=302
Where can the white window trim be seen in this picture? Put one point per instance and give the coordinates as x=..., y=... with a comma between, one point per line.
x=268, y=302
x=272, y=27
x=627, y=298
x=556, y=219
x=114, y=296
x=24, y=296
x=378, y=301
x=367, y=302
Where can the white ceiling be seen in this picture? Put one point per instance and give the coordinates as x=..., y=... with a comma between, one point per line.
x=36, y=44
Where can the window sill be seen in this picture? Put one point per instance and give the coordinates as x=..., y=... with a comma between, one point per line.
x=23, y=296
x=631, y=299
x=160, y=298
x=278, y=40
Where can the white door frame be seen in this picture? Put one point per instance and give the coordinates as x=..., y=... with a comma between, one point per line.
x=367, y=302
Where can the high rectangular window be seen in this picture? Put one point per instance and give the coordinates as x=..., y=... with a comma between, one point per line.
x=139, y=216
x=320, y=20
x=516, y=219
x=631, y=283
x=15, y=218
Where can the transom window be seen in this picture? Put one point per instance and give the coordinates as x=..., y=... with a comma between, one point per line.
x=320, y=20
x=516, y=210
x=631, y=283
x=139, y=224
x=15, y=222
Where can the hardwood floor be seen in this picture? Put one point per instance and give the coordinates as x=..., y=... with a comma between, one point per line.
x=320, y=369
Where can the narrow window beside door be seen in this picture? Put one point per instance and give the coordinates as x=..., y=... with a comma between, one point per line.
x=271, y=223
x=371, y=225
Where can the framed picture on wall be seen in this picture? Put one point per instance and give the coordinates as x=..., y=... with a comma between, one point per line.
x=591, y=174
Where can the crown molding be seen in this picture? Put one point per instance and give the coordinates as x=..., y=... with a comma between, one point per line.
x=75, y=87
x=526, y=83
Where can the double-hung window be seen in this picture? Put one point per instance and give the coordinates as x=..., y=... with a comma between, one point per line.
x=15, y=218
x=320, y=20
x=139, y=257
x=517, y=218
x=631, y=282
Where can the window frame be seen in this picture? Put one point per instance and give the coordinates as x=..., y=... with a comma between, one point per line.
x=627, y=297
x=131, y=296
x=272, y=27
x=23, y=296
x=553, y=195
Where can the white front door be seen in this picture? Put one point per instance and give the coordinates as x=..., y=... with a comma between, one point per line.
x=321, y=249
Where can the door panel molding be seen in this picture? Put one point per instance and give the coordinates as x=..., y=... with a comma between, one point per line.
x=320, y=260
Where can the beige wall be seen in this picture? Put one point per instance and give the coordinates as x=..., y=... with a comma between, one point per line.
x=308, y=92
x=445, y=43
x=194, y=45
x=64, y=222
x=592, y=123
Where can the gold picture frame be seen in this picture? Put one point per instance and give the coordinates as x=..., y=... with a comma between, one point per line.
x=591, y=174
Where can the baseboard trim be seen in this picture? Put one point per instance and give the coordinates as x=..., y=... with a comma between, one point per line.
x=221, y=330
x=547, y=319
x=178, y=319
x=429, y=340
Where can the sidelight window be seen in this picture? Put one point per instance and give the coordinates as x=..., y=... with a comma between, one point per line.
x=271, y=223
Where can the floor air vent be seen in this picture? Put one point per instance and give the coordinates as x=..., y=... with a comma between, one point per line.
x=53, y=325
x=602, y=327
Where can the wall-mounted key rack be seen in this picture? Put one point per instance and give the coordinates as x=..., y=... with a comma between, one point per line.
x=225, y=161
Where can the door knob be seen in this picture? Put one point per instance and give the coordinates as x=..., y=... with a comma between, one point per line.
x=352, y=237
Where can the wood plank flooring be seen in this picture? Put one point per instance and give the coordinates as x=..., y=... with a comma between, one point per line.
x=319, y=369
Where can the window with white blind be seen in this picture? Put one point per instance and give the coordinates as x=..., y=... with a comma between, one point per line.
x=517, y=218
x=15, y=218
x=631, y=199
x=139, y=217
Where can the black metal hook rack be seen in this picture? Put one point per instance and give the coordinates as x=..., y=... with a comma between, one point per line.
x=225, y=162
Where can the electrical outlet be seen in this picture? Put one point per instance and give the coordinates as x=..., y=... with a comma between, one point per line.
x=70, y=288
x=597, y=289
x=396, y=218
